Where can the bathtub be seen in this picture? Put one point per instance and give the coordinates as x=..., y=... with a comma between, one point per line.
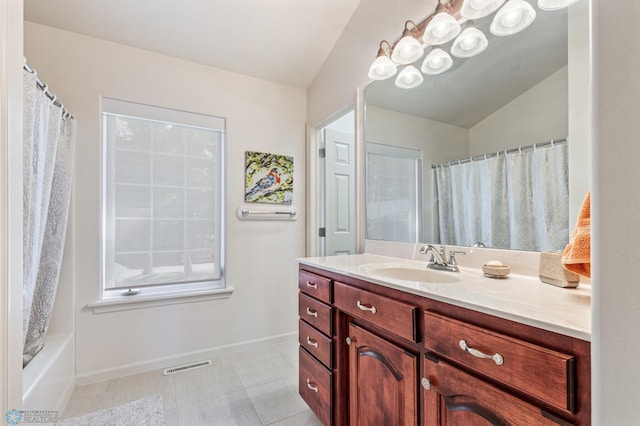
x=48, y=380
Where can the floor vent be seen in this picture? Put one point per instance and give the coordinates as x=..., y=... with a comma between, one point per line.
x=185, y=367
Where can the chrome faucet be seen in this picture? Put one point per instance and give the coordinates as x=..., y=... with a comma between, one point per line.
x=437, y=258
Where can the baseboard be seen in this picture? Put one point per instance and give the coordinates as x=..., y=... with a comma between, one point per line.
x=169, y=361
x=65, y=398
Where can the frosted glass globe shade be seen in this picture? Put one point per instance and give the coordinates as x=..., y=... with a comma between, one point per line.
x=409, y=78
x=554, y=4
x=407, y=51
x=441, y=29
x=436, y=62
x=470, y=42
x=382, y=68
x=476, y=9
x=514, y=17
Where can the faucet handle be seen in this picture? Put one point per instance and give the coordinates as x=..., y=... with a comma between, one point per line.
x=452, y=256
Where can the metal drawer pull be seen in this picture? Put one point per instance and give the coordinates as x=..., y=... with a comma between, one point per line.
x=312, y=285
x=312, y=342
x=312, y=313
x=497, y=358
x=362, y=307
x=311, y=386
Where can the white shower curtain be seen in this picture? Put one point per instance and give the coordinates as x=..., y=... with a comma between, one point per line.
x=48, y=147
x=518, y=200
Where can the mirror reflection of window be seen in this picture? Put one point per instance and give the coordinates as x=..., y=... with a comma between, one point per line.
x=393, y=194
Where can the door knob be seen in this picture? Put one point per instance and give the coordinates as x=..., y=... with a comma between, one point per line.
x=425, y=383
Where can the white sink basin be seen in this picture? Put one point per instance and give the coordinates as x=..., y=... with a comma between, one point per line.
x=411, y=273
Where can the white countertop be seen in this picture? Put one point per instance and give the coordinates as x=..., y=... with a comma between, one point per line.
x=519, y=298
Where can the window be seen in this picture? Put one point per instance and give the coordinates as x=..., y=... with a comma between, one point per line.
x=393, y=193
x=162, y=198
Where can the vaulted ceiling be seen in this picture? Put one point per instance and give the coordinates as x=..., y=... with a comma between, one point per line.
x=285, y=41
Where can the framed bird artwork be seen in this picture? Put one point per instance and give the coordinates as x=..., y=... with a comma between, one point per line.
x=268, y=178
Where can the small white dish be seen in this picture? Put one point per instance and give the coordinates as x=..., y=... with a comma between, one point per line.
x=496, y=271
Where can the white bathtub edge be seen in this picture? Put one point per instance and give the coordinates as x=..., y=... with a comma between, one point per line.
x=49, y=379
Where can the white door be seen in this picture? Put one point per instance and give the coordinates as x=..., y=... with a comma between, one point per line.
x=340, y=193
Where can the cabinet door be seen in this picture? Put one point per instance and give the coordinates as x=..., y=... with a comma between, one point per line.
x=382, y=381
x=454, y=398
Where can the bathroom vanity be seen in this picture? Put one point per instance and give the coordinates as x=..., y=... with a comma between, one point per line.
x=383, y=344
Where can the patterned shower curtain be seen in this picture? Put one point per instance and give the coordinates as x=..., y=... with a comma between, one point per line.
x=518, y=200
x=48, y=148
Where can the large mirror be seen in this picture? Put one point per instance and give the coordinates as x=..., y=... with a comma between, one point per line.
x=432, y=151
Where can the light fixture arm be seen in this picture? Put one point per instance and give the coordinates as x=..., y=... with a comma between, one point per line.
x=384, y=51
x=413, y=32
x=444, y=4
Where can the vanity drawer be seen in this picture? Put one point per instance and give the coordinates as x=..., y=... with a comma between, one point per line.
x=532, y=369
x=396, y=317
x=315, y=386
x=315, y=313
x=315, y=342
x=315, y=286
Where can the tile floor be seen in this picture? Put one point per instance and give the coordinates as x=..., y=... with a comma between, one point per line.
x=245, y=387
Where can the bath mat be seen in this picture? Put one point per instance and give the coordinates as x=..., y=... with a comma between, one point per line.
x=143, y=412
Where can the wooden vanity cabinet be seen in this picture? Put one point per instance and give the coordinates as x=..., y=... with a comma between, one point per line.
x=382, y=375
x=454, y=397
x=382, y=381
x=532, y=369
x=519, y=374
x=316, y=374
x=397, y=358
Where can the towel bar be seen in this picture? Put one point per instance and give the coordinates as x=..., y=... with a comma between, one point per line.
x=246, y=214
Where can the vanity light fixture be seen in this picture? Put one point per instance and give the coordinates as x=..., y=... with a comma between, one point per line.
x=408, y=49
x=409, y=78
x=514, y=17
x=476, y=9
x=436, y=62
x=470, y=42
x=383, y=67
x=441, y=29
x=444, y=25
x=554, y=4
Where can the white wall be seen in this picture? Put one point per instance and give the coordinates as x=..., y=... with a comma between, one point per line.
x=261, y=264
x=538, y=115
x=580, y=104
x=438, y=142
x=615, y=204
x=347, y=65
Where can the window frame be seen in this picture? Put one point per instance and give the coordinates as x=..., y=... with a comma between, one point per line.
x=157, y=294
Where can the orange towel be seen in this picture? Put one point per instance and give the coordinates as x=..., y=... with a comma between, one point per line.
x=577, y=255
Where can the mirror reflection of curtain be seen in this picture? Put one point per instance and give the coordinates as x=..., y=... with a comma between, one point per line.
x=393, y=193
x=48, y=148
x=518, y=200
